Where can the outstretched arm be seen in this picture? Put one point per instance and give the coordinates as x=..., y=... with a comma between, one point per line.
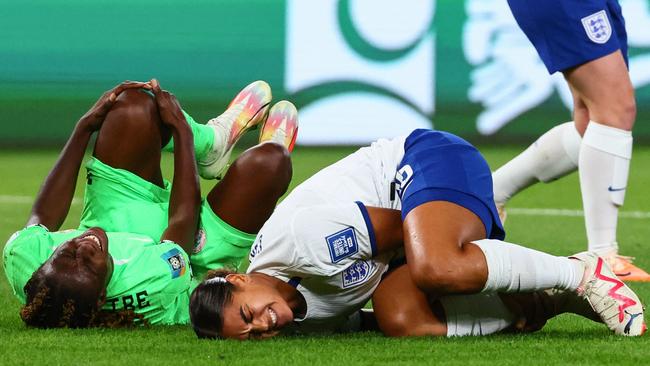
x=185, y=199
x=53, y=201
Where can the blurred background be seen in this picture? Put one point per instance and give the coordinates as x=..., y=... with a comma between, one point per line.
x=357, y=69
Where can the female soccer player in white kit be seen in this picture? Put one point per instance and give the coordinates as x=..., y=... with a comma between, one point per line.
x=426, y=198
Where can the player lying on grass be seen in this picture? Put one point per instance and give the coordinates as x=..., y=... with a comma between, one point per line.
x=129, y=259
x=324, y=250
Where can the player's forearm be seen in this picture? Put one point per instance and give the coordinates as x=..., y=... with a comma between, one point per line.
x=53, y=201
x=185, y=197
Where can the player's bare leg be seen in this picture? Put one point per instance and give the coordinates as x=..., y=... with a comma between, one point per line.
x=605, y=152
x=250, y=190
x=132, y=135
x=437, y=238
x=446, y=256
x=612, y=106
x=557, y=153
x=402, y=309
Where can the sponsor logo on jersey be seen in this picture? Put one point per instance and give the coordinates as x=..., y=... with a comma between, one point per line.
x=175, y=261
x=199, y=241
x=597, y=27
x=357, y=273
x=342, y=244
x=403, y=178
x=257, y=247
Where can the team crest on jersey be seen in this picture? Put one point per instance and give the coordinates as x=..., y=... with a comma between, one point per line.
x=176, y=262
x=403, y=178
x=257, y=247
x=357, y=273
x=342, y=244
x=598, y=27
x=199, y=241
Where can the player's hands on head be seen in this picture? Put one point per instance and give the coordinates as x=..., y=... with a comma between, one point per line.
x=94, y=118
x=168, y=106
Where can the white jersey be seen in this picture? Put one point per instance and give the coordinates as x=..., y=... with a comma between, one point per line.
x=320, y=238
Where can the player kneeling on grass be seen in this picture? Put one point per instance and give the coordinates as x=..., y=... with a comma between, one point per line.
x=134, y=263
x=426, y=198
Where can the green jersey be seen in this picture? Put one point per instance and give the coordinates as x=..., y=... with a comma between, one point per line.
x=118, y=200
x=150, y=278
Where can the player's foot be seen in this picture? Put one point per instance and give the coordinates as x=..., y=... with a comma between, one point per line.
x=244, y=113
x=281, y=125
x=560, y=301
x=625, y=270
x=615, y=303
x=501, y=210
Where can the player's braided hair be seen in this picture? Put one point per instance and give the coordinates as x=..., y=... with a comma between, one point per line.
x=52, y=304
x=208, y=301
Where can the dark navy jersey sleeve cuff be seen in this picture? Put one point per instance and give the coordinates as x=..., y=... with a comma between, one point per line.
x=371, y=229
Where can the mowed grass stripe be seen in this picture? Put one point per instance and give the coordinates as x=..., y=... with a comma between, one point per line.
x=525, y=211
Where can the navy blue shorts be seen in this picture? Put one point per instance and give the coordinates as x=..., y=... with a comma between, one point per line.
x=439, y=166
x=568, y=33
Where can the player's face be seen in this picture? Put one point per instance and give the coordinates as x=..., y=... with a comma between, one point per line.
x=256, y=312
x=83, y=261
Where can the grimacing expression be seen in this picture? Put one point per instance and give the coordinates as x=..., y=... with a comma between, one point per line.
x=83, y=262
x=256, y=311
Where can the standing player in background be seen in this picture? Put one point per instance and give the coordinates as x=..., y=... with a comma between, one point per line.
x=587, y=42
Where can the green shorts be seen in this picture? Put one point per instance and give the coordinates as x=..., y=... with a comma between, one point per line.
x=119, y=201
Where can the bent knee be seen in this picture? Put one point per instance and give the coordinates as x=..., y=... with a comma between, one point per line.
x=438, y=278
x=629, y=114
x=269, y=159
x=134, y=106
x=135, y=98
x=134, y=110
x=620, y=112
x=397, y=325
x=403, y=325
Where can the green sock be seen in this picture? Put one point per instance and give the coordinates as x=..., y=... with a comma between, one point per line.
x=203, y=138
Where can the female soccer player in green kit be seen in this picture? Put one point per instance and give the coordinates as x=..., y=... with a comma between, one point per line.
x=130, y=257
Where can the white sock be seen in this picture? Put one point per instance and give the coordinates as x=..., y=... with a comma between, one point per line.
x=604, y=165
x=475, y=315
x=552, y=156
x=221, y=134
x=513, y=268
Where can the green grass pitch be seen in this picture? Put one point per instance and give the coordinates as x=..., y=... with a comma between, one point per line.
x=565, y=340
